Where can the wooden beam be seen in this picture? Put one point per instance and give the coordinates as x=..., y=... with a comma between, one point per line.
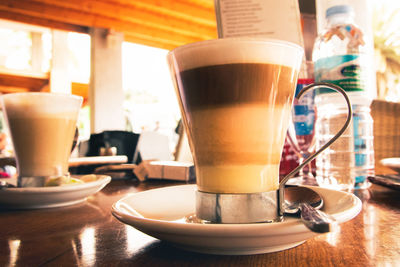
x=81, y=89
x=17, y=81
x=26, y=73
x=37, y=20
x=153, y=42
x=157, y=41
x=106, y=15
x=150, y=11
x=10, y=89
x=175, y=10
x=159, y=23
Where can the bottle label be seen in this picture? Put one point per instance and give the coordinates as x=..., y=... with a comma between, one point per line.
x=343, y=70
x=303, y=110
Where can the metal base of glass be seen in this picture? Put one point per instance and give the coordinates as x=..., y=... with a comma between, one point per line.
x=36, y=181
x=239, y=208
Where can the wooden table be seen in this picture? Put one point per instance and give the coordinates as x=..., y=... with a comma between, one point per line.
x=97, y=160
x=88, y=235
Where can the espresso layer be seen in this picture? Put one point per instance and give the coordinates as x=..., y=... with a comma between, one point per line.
x=236, y=83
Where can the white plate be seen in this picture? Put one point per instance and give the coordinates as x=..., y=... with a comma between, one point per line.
x=50, y=197
x=160, y=212
x=393, y=163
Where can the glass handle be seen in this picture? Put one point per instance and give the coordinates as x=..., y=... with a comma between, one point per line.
x=338, y=134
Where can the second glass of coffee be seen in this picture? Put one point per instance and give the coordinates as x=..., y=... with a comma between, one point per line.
x=236, y=97
x=42, y=128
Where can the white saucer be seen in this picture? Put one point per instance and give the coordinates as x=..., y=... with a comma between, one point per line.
x=393, y=163
x=160, y=212
x=50, y=197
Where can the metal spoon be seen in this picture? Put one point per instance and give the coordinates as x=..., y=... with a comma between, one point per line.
x=303, y=200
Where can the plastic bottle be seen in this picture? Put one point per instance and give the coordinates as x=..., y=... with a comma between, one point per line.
x=339, y=57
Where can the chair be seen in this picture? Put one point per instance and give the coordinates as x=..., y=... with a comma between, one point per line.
x=124, y=142
x=119, y=142
x=386, y=132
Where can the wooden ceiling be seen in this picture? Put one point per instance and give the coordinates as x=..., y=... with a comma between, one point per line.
x=158, y=23
x=13, y=81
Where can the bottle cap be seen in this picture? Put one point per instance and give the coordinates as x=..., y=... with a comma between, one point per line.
x=342, y=9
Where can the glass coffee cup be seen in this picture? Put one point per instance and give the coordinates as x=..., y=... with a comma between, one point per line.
x=42, y=128
x=236, y=97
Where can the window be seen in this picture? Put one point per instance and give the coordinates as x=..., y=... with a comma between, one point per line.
x=150, y=102
x=18, y=47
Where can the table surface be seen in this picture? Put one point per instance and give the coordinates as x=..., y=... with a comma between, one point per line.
x=87, y=234
x=97, y=160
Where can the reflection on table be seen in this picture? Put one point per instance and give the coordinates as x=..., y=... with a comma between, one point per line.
x=78, y=161
x=88, y=235
x=77, y=165
x=97, y=160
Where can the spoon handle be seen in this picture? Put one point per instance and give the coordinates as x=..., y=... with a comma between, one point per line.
x=316, y=220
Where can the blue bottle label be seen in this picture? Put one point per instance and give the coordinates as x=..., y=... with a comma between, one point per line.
x=342, y=70
x=361, y=148
x=303, y=112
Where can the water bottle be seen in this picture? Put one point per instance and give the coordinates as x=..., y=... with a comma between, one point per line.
x=340, y=58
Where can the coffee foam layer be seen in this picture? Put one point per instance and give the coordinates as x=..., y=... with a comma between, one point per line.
x=41, y=104
x=231, y=50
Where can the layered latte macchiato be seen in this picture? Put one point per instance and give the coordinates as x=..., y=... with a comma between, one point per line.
x=236, y=101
